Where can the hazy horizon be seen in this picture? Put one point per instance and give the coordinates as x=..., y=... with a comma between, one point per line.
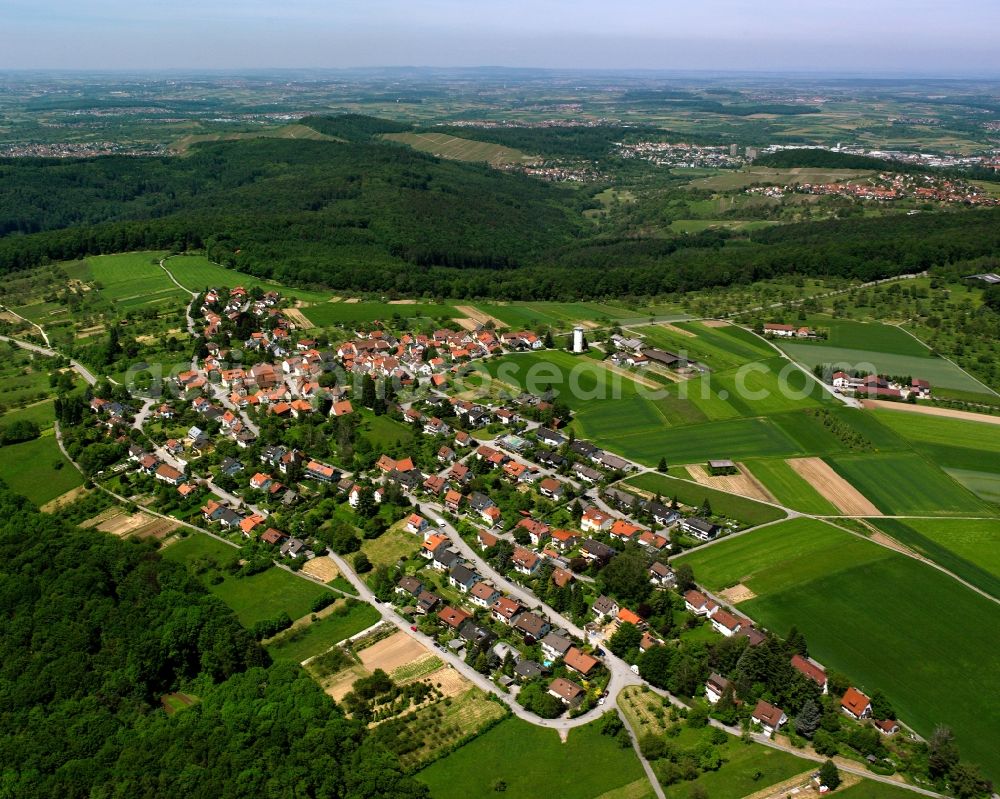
x=886, y=37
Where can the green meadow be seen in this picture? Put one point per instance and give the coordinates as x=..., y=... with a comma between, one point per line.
x=37, y=469
x=969, y=548
x=937, y=370
x=253, y=599
x=196, y=272
x=886, y=620
x=532, y=763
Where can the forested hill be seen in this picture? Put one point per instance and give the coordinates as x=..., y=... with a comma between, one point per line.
x=94, y=630
x=362, y=214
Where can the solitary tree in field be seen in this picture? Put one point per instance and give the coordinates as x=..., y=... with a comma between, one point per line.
x=662, y=465
x=829, y=775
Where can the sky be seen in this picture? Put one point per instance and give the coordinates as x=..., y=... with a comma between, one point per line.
x=876, y=36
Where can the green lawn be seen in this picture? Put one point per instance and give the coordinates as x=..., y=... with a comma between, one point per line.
x=30, y=469
x=534, y=764
x=969, y=548
x=886, y=620
x=253, y=599
x=904, y=483
x=789, y=487
x=384, y=432
x=317, y=637
x=734, y=507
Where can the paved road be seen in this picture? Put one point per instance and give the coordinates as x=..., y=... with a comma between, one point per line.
x=79, y=368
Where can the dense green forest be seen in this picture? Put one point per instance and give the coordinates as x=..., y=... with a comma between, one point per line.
x=364, y=215
x=95, y=630
x=828, y=159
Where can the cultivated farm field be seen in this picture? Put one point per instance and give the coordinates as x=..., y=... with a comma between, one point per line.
x=904, y=483
x=324, y=314
x=789, y=487
x=887, y=620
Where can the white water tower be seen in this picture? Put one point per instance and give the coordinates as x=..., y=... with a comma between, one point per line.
x=577, y=339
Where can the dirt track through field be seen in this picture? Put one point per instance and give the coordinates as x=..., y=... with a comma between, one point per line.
x=679, y=331
x=743, y=483
x=832, y=487
x=472, y=312
x=931, y=410
x=635, y=377
x=295, y=316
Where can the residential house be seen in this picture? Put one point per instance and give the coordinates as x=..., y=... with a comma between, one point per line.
x=699, y=604
x=564, y=539
x=661, y=575
x=626, y=616
x=528, y=669
x=554, y=645
x=855, y=704
x=726, y=623
x=409, y=586
x=769, y=717
x=505, y=610
x=887, y=726
x=561, y=577
x=416, y=524
x=699, y=528
x=531, y=625
x=426, y=602
x=453, y=500
x=586, y=473
x=321, y=472
x=525, y=561
x=596, y=551
x=715, y=687
x=580, y=662
x=569, y=693
x=483, y=594
x=169, y=475
x=486, y=540
x=595, y=520
x=811, y=669
x=453, y=617
x=462, y=577
x=605, y=606
x=538, y=532
x=293, y=548
x=552, y=488
x=273, y=537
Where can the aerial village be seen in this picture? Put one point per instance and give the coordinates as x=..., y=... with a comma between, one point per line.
x=527, y=562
